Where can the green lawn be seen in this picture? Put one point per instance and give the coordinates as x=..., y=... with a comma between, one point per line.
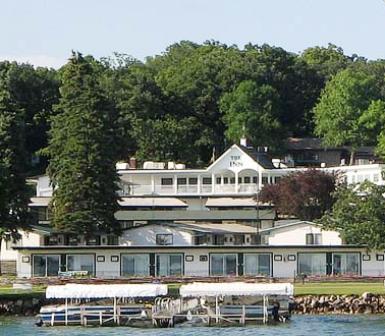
x=9, y=293
x=338, y=288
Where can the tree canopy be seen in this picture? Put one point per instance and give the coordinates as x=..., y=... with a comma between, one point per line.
x=205, y=96
x=341, y=107
x=14, y=194
x=305, y=195
x=359, y=215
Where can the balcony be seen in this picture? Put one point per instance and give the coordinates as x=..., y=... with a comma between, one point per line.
x=204, y=189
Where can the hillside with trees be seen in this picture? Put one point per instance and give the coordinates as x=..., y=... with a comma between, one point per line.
x=196, y=99
x=184, y=105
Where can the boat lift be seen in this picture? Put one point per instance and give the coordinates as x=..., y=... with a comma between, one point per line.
x=83, y=291
x=239, y=289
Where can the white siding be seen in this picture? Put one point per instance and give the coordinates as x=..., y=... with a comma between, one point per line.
x=372, y=267
x=146, y=235
x=27, y=239
x=296, y=235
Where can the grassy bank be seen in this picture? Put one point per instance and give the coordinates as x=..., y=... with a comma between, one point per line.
x=7, y=292
x=338, y=288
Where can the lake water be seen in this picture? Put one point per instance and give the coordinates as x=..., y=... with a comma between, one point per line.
x=300, y=325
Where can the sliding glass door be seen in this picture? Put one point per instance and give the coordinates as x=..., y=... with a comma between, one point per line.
x=312, y=263
x=81, y=262
x=169, y=264
x=346, y=263
x=135, y=265
x=223, y=264
x=257, y=264
x=46, y=265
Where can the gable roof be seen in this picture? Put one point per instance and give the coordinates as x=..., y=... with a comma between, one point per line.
x=262, y=159
x=287, y=223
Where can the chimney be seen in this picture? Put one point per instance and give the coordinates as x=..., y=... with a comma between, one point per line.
x=132, y=163
x=243, y=142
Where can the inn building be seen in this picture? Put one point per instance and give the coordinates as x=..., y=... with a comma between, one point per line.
x=195, y=222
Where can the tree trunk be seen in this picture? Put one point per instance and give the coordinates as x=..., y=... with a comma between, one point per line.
x=352, y=152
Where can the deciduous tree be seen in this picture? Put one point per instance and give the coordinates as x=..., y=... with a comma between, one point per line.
x=359, y=215
x=305, y=195
x=342, y=103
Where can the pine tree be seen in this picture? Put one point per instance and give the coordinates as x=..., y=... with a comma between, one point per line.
x=83, y=152
x=14, y=195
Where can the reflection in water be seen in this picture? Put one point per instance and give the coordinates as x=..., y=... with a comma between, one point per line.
x=300, y=325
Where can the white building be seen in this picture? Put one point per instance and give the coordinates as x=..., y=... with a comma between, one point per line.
x=196, y=222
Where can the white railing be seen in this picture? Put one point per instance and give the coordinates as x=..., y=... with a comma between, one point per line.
x=157, y=189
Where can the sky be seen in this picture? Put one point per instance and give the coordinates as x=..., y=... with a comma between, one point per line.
x=43, y=32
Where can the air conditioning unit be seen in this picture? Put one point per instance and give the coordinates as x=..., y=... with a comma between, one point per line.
x=122, y=166
x=171, y=165
x=153, y=165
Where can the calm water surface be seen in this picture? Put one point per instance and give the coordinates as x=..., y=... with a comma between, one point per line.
x=300, y=325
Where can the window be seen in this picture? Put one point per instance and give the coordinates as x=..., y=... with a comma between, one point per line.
x=313, y=239
x=181, y=181
x=206, y=180
x=232, y=180
x=255, y=179
x=166, y=181
x=73, y=241
x=112, y=240
x=169, y=264
x=223, y=264
x=52, y=240
x=135, y=265
x=277, y=179
x=264, y=180
x=256, y=239
x=239, y=239
x=80, y=262
x=218, y=180
x=164, y=239
x=46, y=265
x=218, y=239
x=257, y=264
x=225, y=180
x=193, y=181
x=246, y=179
x=312, y=263
x=93, y=240
x=346, y=263
x=201, y=239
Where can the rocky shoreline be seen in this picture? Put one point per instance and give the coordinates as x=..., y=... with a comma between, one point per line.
x=21, y=306
x=367, y=303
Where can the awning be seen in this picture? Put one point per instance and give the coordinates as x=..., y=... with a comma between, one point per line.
x=202, y=289
x=231, y=202
x=80, y=291
x=125, y=202
x=151, y=202
x=39, y=201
